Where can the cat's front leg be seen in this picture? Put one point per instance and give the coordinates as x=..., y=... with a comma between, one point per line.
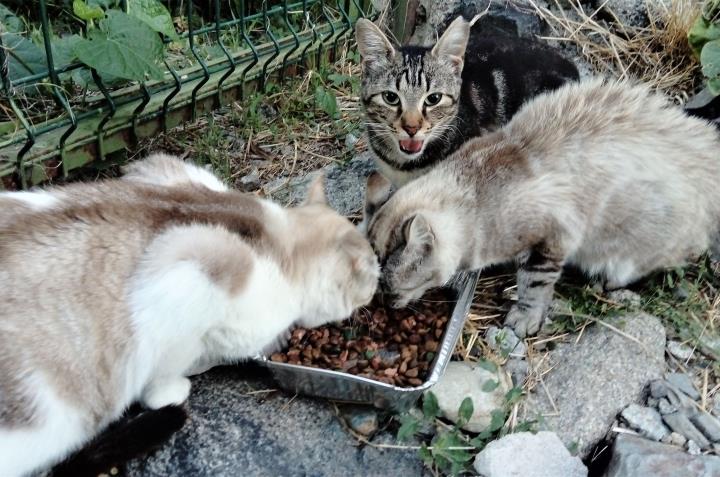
x=166, y=391
x=537, y=273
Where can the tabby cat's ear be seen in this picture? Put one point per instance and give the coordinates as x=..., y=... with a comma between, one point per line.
x=453, y=42
x=419, y=234
x=372, y=43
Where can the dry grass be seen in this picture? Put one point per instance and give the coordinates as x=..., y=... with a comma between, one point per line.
x=658, y=54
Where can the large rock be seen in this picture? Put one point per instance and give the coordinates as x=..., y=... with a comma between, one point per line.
x=528, y=455
x=463, y=380
x=231, y=432
x=636, y=457
x=594, y=379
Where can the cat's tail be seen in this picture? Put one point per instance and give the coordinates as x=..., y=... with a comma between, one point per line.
x=128, y=438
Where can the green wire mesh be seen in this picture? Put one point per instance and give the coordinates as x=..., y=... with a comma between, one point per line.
x=225, y=49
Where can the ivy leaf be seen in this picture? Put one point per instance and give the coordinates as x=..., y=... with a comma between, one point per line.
x=10, y=21
x=466, y=411
x=154, y=14
x=714, y=86
x=123, y=46
x=408, y=428
x=513, y=396
x=710, y=59
x=702, y=32
x=425, y=455
x=24, y=57
x=87, y=12
x=490, y=385
x=430, y=406
x=488, y=365
x=327, y=101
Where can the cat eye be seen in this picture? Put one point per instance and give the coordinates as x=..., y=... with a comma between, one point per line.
x=391, y=98
x=433, y=99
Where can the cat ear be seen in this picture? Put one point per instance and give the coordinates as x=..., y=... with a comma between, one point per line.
x=453, y=42
x=316, y=192
x=372, y=42
x=419, y=233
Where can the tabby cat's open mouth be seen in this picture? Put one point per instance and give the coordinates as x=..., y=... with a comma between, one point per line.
x=411, y=146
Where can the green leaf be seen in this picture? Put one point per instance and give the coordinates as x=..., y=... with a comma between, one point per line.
x=154, y=14
x=488, y=365
x=24, y=57
x=466, y=411
x=124, y=47
x=497, y=420
x=326, y=101
x=430, y=406
x=714, y=86
x=408, y=428
x=10, y=21
x=87, y=12
x=513, y=396
x=710, y=59
x=425, y=455
x=702, y=32
x=490, y=385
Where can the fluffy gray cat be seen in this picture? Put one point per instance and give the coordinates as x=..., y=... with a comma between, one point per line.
x=602, y=175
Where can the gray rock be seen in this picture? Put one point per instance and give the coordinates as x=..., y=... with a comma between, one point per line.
x=683, y=382
x=250, y=182
x=679, y=422
x=677, y=439
x=231, y=432
x=542, y=455
x=681, y=351
x=629, y=12
x=658, y=389
x=505, y=342
x=646, y=420
x=463, y=380
x=707, y=424
x=716, y=405
x=518, y=369
x=665, y=407
x=637, y=457
x=693, y=448
x=625, y=297
x=361, y=419
x=595, y=379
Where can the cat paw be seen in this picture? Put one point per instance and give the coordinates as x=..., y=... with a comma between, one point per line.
x=166, y=392
x=524, y=322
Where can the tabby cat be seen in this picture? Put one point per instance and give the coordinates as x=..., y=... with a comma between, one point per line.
x=602, y=175
x=113, y=292
x=422, y=103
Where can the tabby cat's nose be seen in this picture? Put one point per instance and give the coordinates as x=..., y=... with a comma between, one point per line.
x=411, y=130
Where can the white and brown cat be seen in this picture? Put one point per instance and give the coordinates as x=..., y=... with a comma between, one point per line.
x=606, y=176
x=114, y=292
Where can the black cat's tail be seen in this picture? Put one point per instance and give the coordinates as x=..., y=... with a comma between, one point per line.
x=126, y=439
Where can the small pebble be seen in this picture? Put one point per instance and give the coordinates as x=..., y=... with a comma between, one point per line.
x=679, y=422
x=665, y=407
x=505, y=341
x=363, y=420
x=708, y=425
x=692, y=448
x=684, y=383
x=658, y=389
x=646, y=420
x=625, y=297
x=677, y=439
x=681, y=351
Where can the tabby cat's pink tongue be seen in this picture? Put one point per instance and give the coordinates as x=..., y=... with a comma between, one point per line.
x=411, y=145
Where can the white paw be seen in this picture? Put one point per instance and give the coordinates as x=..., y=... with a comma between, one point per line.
x=524, y=322
x=166, y=392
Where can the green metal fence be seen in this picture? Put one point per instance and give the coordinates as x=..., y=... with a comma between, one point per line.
x=50, y=126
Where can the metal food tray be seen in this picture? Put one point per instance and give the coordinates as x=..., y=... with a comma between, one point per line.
x=341, y=386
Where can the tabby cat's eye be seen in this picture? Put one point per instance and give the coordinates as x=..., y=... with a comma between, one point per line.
x=433, y=99
x=391, y=98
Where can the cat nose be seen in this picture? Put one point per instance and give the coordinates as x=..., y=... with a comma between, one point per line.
x=411, y=130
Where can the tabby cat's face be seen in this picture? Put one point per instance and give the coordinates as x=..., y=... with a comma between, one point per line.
x=410, y=95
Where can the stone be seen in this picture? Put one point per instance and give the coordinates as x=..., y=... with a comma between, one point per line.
x=361, y=419
x=629, y=12
x=683, y=382
x=665, y=407
x=345, y=183
x=681, y=351
x=677, y=439
x=679, y=422
x=463, y=380
x=592, y=380
x=658, y=389
x=637, y=457
x=625, y=297
x=231, y=432
x=707, y=424
x=249, y=182
x=505, y=342
x=528, y=455
x=518, y=369
x=693, y=448
x=646, y=420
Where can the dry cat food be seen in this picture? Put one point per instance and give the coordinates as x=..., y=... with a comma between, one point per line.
x=392, y=346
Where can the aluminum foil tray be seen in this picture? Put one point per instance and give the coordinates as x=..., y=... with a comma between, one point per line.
x=341, y=386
